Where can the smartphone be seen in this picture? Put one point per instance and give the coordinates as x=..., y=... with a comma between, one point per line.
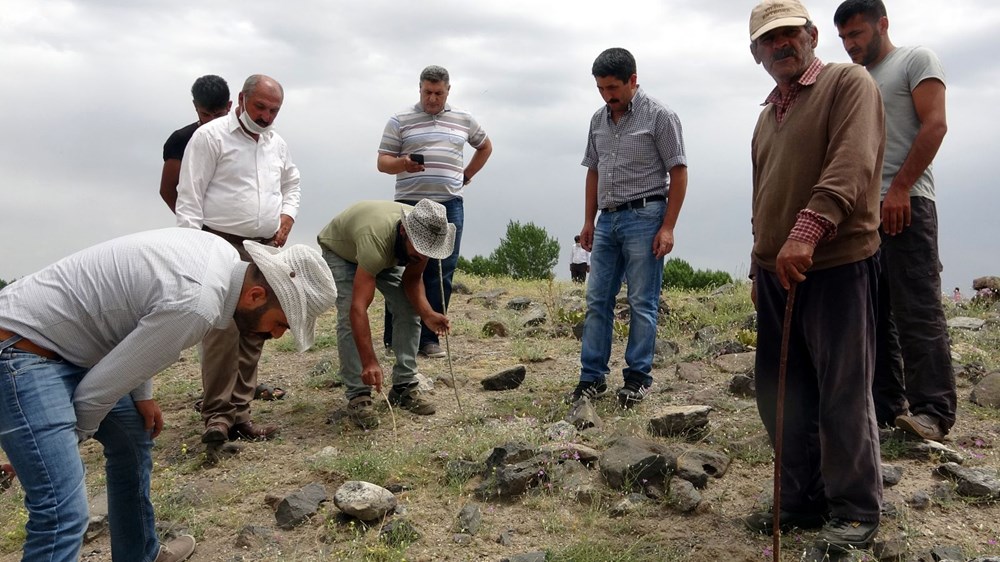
x=418, y=158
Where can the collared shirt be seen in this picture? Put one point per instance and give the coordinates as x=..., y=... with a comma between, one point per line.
x=236, y=185
x=634, y=156
x=441, y=139
x=365, y=234
x=783, y=104
x=579, y=255
x=125, y=309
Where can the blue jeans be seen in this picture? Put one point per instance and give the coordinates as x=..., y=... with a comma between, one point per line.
x=623, y=250
x=432, y=277
x=37, y=432
x=406, y=323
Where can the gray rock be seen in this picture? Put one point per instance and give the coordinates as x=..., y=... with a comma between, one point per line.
x=987, y=282
x=629, y=504
x=578, y=330
x=460, y=470
x=583, y=415
x=300, y=505
x=692, y=372
x=965, y=323
x=424, y=383
x=569, y=451
x=980, y=482
x=445, y=380
x=890, y=550
x=510, y=480
x=326, y=455
x=743, y=385
x=891, y=474
x=986, y=559
x=505, y=380
x=942, y=492
x=664, y=351
x=919, y=500
x=706, y=334
x=935, y=449
x=519, y=303
x=364, y=500
x=697, y=465
x=254, y=536
x=683, y=496
x=495, y=328
x=534, y=317
x=469, y=519
x=399, y=532
x=459, y=288
x=506, y=538
x=742, y=363
x=574, y=480
x=631, y=463
x=679, y=420
x=987, y=392
x=726, y=347
x=487, y=296
x=949, y=553
x=536, y=556
x=462, y=538
x=562, y=430
x=509, y=453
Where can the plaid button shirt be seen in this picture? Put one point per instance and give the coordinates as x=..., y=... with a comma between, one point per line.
x=783, y=105
x=633, y=157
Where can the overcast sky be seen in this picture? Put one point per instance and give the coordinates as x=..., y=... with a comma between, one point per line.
x=93, y=88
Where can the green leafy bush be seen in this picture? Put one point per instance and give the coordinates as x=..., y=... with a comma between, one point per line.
x=678, y=274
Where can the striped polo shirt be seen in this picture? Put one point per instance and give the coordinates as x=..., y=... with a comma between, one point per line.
x=441, y=139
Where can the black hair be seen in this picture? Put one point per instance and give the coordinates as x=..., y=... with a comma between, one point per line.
x=872, y=10
x=615, y=62
x=210, y=92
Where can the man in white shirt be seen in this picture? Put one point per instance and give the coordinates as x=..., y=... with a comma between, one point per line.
x=238, y=182
x=79, y=344
x=579, y=262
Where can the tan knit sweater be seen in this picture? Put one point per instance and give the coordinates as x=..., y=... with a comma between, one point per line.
x=826, y=155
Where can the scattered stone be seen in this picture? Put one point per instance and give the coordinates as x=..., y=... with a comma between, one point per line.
x=980, y=482
x=965, y=323
x=726, y=347
x=574, y=480
x=534, y=317
x=509, y=453
x=988, y=282
x=679, y=420
x=950, y=553
x=364, y=500
x=630, y=463
x=424, y=383
x=888, y=509
x=462, y=538
x=459, y=288
x=487, y=298
x=683, y=496
x=890, y=550
x=891, y=475
x=943, y=492
x=505, y=380
x=578, y=330
x=583, y=415
x=399, y=532
x=743, y=385
x=566, y=451
x=742, y=363
x=935, y=449
x=510, y=480
x=973, y=372
x=397, y=487
x=987, y=392
x=325, y=455
x=706, y=334
x=300, y=505
x=272, y=500
x=470, y=518
x=494, y=328
x=986, y=559
x=519, y=303
x=536, y=556
x=506, y=538
x=254, y=536
x=446, y=380
x=697, y=465
x=919, y=500
x=664, y=351
x=629, y=504
x=691, y=372
x=562, y=430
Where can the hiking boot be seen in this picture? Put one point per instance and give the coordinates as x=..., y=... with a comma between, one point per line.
x=361, y=410
x=409, y=398
x=763, y=521
x=632, y=394
x=589, y=389
x=922, y=425
x=216, y=432
x=841, y=535
x=178, y=549
x=249, y=431
x=432, y=350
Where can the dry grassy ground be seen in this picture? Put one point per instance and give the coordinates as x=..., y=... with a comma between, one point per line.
x=215, y=502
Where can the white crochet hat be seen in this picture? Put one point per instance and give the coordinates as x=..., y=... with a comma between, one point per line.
x=429, y=230
x=301, y=280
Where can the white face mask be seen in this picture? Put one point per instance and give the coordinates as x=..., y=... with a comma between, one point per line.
x=251, y=125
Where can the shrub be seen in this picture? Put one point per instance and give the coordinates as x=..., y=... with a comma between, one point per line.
x=678, y=274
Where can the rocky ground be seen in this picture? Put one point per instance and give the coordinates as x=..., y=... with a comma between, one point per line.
x=506, y=475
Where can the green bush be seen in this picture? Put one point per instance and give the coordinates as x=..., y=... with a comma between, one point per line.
x=479, y=266
x=678, y=274
x=526, y=252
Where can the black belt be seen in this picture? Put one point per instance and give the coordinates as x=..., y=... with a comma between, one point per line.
x=234, y=239
x=635, y=204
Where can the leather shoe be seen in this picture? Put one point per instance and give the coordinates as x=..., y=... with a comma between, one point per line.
x=921, y=425
x=250, y=431
x=215, y=433
x=177, y=550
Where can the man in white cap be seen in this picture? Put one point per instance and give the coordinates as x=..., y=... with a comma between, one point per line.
x=79, y=344
x=817, y=158
x=384, y=245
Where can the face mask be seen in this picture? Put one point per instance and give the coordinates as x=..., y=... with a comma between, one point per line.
x=251, y=125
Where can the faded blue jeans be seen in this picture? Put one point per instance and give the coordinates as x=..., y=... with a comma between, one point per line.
x=623, y=250
x=405, y=323
x=38, y=434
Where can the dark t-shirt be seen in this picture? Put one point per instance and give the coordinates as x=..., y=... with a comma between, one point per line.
x=175, y=145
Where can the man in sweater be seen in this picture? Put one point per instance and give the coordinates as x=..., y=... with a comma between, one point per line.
x=817, y=157
x=914, y=380
x=79, y=344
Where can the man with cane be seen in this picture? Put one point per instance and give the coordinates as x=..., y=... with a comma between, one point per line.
x=817, y=157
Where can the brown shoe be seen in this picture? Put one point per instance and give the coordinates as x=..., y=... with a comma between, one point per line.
x=921, y=425
x=216, y=432
x=249, y=431
x=177, y=549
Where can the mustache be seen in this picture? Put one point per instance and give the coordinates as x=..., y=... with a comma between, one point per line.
x=784, y=53
x=614, y=100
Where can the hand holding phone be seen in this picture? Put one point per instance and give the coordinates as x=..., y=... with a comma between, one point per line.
x=418, y=158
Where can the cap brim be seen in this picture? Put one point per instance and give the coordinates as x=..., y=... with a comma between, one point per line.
x=781, y=22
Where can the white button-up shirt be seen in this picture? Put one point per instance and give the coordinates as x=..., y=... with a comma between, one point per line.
x=231, y=183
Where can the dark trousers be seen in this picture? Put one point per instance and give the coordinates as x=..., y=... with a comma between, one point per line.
x=830, y=456
x=438, y=273
x=578, y=272
x=913, y=369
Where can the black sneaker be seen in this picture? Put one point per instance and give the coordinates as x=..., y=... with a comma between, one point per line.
x=841, y=535
x=589, y=389
x=631, y=394
x=763, y=521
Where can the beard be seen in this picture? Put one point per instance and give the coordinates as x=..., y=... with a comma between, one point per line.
x=872, y=51
x=248, y=320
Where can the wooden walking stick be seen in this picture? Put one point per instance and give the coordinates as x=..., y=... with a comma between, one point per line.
x=780, y=424
x=447, y=343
